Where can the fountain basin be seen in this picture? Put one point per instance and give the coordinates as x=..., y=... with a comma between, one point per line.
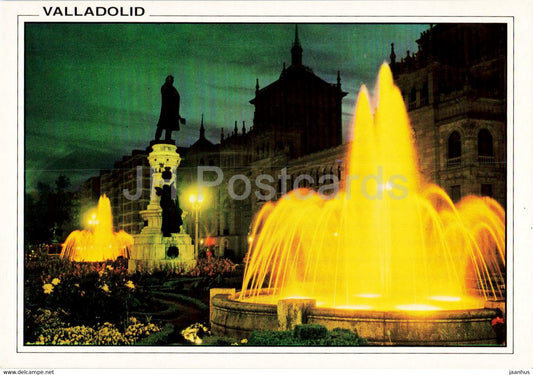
x=233, y=318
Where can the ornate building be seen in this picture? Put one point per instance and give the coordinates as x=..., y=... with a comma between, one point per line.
x=455, y=91
x=300, y=114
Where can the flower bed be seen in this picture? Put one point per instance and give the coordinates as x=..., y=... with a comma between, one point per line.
x=88, y=293
x=302, y=335
x=53, y=331
x=91, y=301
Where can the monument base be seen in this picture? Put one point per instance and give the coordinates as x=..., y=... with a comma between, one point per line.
x=151, y=251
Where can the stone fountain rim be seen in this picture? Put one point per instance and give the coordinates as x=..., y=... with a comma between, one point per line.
x=229, y=302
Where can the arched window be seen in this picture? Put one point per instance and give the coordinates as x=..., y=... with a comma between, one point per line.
x=454, y=149
x=484, y=143
x=454, y=145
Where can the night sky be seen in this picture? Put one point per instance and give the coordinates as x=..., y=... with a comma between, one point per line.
x=92, y=91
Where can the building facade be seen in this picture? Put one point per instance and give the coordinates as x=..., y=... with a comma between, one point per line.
x=454, y=88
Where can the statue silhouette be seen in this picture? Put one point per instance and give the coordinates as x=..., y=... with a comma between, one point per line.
x=171, y=214
x=170, y=118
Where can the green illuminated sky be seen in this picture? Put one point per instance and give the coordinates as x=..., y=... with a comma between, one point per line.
x=92, y=90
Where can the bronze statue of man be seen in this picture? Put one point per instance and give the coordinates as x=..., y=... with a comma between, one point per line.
x=170, y=118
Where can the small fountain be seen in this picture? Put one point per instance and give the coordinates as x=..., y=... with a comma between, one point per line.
x=390, y=255
x=99, y=243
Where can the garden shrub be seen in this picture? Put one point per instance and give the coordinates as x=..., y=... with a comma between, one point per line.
x=158, y=338
x=212, y=267
x=306, y=335
x=89, y=293
x=208, y=273
x=78, y=335
x=273, y=338
x=103, y=334
x=310, y=331
x=345, y=337
x=88, y=302
x=302, y=335
x=218, y=341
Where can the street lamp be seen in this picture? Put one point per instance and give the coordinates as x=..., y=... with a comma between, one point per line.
x=92, y=220
x=196, y=201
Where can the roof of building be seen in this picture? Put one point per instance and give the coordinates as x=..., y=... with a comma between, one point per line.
x=295, y=72
x=202, y=144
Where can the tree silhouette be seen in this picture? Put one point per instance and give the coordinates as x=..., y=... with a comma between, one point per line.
x=48, y=213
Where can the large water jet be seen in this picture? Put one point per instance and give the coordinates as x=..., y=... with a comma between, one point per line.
x=388, y=243
x=100, y=242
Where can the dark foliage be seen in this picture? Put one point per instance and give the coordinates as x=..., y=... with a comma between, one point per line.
x=306, y=335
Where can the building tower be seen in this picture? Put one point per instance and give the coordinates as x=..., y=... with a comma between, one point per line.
x=299, y=112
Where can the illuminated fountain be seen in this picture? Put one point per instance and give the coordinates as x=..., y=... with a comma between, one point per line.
x=99, y=243
x=389, y=255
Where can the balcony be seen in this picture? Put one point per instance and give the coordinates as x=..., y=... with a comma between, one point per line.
x=458, y=106
x=485, y=160
x=454, y=162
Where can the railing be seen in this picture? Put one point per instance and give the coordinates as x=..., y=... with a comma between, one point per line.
x=454, y=162
x=456, y=105
x=485, y=160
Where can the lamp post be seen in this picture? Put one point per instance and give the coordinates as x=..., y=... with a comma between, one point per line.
x=196, y=201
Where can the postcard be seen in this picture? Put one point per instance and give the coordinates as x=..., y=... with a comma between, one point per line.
x=240, y=184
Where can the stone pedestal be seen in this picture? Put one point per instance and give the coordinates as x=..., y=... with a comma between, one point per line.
x=293, y=311
x=151, y=250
